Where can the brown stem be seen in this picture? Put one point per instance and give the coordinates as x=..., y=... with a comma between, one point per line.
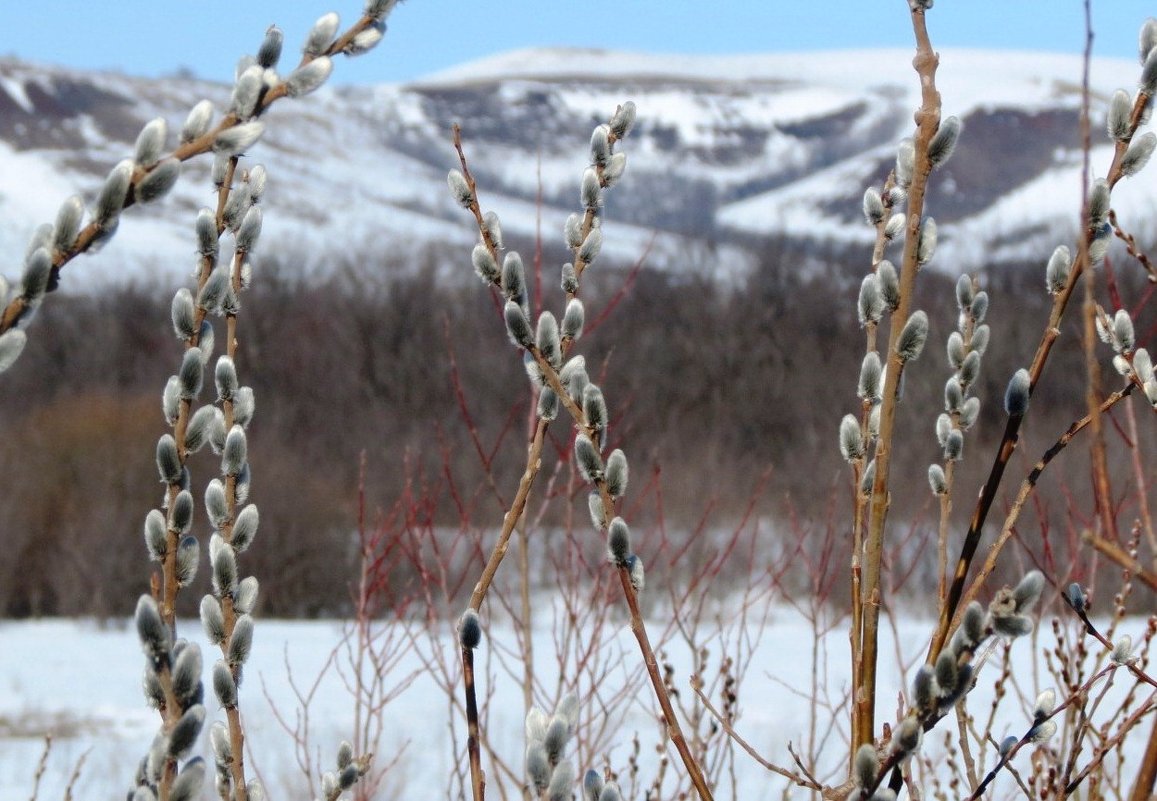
x=477, y=776
x=1119, y=555
x=674, y=730
x=1147, y=773
x=927, y=122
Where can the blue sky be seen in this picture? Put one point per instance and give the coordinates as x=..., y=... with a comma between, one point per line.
x=156, y=38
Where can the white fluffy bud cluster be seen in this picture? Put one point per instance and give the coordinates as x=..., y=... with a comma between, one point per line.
x=551, y=775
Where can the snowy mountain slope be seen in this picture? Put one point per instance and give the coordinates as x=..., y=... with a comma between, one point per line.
x=727, y=150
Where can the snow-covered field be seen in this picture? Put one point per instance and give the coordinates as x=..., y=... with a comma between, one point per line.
x=81, y=681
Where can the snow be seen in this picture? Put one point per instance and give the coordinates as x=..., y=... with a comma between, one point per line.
x=81, y=680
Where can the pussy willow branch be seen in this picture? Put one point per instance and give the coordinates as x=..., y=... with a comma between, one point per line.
x=1118, y=554
x=1131, y=246
x=197, y=147
x=1011, y=435
x=1026, y=488
x=638, y=627
x=927, y=122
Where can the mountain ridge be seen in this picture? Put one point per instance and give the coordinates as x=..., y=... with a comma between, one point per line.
x=728, y=150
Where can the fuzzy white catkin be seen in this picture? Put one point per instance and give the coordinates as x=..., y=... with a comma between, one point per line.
x=67, y=226
x=197, y=123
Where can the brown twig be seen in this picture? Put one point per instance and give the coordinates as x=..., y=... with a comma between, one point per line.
x=927, y=122
x=93, y=232
x=1011, y=436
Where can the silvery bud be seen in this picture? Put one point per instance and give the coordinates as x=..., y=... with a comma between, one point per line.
x=954, y=445
x=926, y=244
x=245, y=528
x=592, y=785
x=212, y=296
x=616, y=166
x=321, y=34
x=561, y=781
x=1122, y=333
x=216, y=506
x=913, y=336
x=600, y=145
x=591, y=195
x=979, y=342
x=212, y=620
x=955, y=350
x=241, y=642
x=366, y=39
x=590, y=464
x=1028, y=591
x=573, y=231
x=113, y=193
x=547, y=404
x=591, y=246
x=572, y=319
x=244, y=405
x=168, y=460
x=1142, y=365
x=247, y=91
x=970, y=368
x=1148, y=82
x=943, y=426
x=870, y=387
x=547, y=339
x=964, y=292
x=871, y=302
x=1045, y=704
x=1137, y=156
x=623, y=119
x=868, y=479
x=187, y=785
x=185, y=731
x=1057, y=271
x=618, y=542
x=873, y=206
x=187, y=673
x=1099, y=200
x=969, y=412
x=68, y=220
x=156, y=538
x=1147, y=39
x=219, y=740
x=937, y=480
x=197, y=123
x=250, y=229
x=225, y=376
x=469, y=630
x=170, y=399
x=153, y=632
x=889, y=283
x=514, y=279
x=235, y=453
x=517, y=326
x=309, y=77
x=1120, y=112
x=944, y=141
x=181, y=518
x=569, y=279
x=867, y=765
x=191, y=373
x=245, y=597
x=1042, y=732
x=151, y=142
x=905, y=162
x=537, y=766
x=184, y=314
x=269, y=52
x=594, y=407
x=1016, y=396
x=895, y=225
x=492, y=226
x=236, y=140
x=597, y=510
x=617, y=473
x=851, y=440
x=484, y=264
x=1123, y=651
x=224, y=685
